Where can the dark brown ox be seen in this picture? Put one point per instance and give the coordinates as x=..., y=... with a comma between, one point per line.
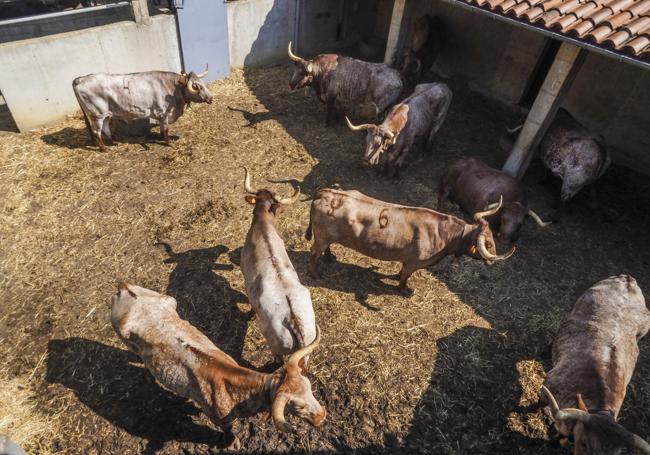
x=594, y=355
x=339, y=79
x=161, y=95
x=415, y=236
x=573, y=154
x=184, y=361
x=424, y=47
x=475, y=186
x=413, y=123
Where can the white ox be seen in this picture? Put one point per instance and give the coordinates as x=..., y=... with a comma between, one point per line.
x=282, y=304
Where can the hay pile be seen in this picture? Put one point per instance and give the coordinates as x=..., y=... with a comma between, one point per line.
x=450, y=370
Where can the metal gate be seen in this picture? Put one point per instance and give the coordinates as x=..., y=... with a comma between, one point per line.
x=203, y=30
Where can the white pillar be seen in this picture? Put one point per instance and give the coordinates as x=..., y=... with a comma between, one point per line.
x=393, y=33
x=141, y=12
x=567, y=62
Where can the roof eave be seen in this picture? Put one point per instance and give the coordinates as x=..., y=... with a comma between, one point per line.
x=559, y=36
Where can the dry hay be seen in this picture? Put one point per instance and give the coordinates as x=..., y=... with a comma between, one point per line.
x=451, y=370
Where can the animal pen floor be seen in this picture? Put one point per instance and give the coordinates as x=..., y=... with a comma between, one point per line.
x=451, y=370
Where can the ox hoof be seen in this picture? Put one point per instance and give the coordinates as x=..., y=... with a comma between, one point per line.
x=234, y=446
x=405, y=291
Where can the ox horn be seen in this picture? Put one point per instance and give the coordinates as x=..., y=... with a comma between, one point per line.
x=482, y=249
x=639, y=443
x=564, y=414
x=289, y=200
x=247, y=182
x=204, y=73
x=293, y=56
x=538, y=220
x=294, y=359
x=363, y=127
x=491, y=210
x=515, y=129
x=277, y=412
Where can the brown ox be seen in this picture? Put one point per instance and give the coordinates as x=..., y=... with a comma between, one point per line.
x=475, y=186
x=415, y=236
x=339, y=79
x=185, y=361
x=594, y=355
x=424, y=47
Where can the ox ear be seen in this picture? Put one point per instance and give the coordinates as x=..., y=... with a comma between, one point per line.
x=310, y=67
x=581, y=404
x=398, y=119
x=182, y=79
x=250, y=199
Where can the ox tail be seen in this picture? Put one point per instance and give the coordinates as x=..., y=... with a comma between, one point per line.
x=75, y=82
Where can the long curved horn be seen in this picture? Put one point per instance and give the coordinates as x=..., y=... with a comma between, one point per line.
x=515, y=129
x=190, y=87
x=293, y=56
x=247, y=182
x=639, y=443
x=277, y=412
x=204, y=73
x=564, y=414
x=480, y=245
x=490, y=211
x=289, y=200
x=300, y=353
x=538, y=220
x=363, y=127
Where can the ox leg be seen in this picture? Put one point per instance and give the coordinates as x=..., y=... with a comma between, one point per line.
x=317, y=250
x=404, y=275
x=232, y=442
x=106, y=129
x=97, y=125
x=164, y=131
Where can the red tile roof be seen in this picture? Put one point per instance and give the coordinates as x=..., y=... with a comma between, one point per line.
x=621, y=26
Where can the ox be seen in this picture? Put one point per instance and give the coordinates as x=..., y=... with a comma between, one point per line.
x=282, y=304
x=412, y=123
x=185, y=361
x=594, y=355
x=161, y=95
x=573, y=154
x=475, y=186
x=423, y=49
x=417, y=237
x=336, y=78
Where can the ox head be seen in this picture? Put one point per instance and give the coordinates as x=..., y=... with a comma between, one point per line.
x=294, y=393
x=485, y=247
x=512, y=218
x=303, y=74
x=195, y=88
x=594, y=433
x=268, y=200
x=380, y=138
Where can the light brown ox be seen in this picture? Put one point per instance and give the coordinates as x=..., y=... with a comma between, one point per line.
x=186, y=362
x=415, y=236
x=594, y=355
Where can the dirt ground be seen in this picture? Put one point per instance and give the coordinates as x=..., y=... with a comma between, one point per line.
x=453, y=369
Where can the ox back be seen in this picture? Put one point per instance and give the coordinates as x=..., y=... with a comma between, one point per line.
x=353, y=81
x=596, y=349
x=283, y=305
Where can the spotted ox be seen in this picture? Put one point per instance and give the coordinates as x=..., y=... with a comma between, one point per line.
x=594, y=355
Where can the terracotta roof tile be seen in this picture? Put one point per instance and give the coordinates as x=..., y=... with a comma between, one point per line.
x=619, y=25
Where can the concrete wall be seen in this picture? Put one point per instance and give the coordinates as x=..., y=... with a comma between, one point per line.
x=36, y=77
x=497, y=58
x=259, y=31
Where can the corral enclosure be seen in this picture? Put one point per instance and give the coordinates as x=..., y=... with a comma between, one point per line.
x=452, y=369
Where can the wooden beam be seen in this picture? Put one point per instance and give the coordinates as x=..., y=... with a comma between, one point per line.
x=141, y=12
x=560, y=76
x=393, y=33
